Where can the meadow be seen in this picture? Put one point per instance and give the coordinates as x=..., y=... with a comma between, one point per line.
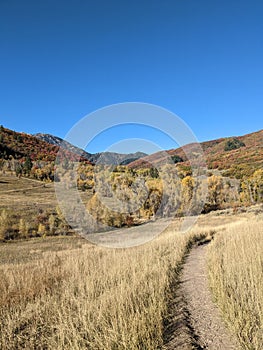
x=62, y=292
x=65, y=293
x=28, y=208
x=235, y=262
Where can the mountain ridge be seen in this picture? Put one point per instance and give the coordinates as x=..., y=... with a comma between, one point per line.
x=234, y=162
x=113, y=158
x=235, y=156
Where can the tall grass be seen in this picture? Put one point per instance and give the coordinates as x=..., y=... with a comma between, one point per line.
x=89, y=298
x=235, y=262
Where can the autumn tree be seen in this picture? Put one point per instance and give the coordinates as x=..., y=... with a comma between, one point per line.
x=41, y=230
x=52, y=224
x=4, y=224
x=23, y=228
x=187, y=192
x=257, y=180
x=252, y=188
x=215, y=187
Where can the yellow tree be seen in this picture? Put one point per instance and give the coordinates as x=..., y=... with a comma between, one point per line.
x=246, y=195
x=215, y=190
x=257, y=185
x=23, y=228
x=187, y=192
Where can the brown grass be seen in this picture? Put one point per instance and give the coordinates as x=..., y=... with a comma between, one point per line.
x=26, y=199
x=63, y=293
x=236, y=277
x=26, y=196
x=85, y=297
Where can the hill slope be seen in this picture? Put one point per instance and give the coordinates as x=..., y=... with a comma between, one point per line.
x=57, y=141
x=45, y=147
x=105, y=157
x=234, y=156
x=21, y=145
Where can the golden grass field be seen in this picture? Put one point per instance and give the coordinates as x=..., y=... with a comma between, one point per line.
x=25, y=198
x=78, y=296
x=25, y=195
x=65, y=293
x=236, y=278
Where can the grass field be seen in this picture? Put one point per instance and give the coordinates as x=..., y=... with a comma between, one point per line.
x=27, y=199
x=72, y=295
x=236, y=278
x=65, y=293
x=29, y=195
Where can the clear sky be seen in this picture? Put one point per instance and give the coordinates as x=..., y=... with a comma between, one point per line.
x=201, y=59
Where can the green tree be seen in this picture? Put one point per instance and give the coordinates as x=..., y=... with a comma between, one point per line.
x=27, y=166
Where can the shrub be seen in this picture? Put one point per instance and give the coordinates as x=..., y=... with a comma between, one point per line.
x=177, y=159
x=233, y=143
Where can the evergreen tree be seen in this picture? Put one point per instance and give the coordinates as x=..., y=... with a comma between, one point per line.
x=27, y=165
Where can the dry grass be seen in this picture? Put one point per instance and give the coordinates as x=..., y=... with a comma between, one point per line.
x=26, y=196
x=27, y=199
x=80, y=296
x=63, y=293
x=236, y=277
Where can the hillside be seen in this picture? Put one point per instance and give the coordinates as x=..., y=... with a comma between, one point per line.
x=104, y=157
x=245, y=157
x=233, y=157
x=20, y=145
x=57, y=141
x=45, y=147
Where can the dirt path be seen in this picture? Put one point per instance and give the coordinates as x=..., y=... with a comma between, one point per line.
x=196, y=323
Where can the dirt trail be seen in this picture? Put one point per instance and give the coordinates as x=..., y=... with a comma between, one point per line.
x=196, y=323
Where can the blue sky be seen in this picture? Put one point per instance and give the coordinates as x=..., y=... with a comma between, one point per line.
x=202, y=60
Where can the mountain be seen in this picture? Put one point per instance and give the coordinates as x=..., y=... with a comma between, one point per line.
x=110, y=158
x=233, y=156
x=45, y=147
x=20, y=145
x=113, y=158
x=57, y=141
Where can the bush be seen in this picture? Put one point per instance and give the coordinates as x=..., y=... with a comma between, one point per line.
x=233, y=143
x=177, y=159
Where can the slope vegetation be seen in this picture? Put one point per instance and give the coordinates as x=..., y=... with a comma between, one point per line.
x=236, y=156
